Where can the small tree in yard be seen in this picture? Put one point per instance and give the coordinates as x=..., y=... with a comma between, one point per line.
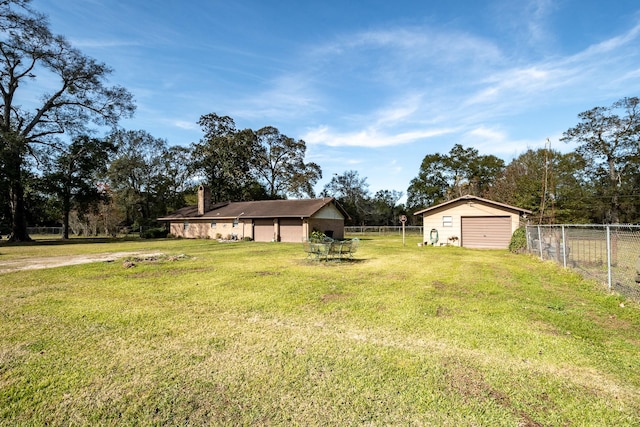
x=73, y=176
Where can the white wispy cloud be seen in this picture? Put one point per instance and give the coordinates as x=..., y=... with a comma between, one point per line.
x=613, y=43
x=369, y=137
x=416, y=83
x=496, y=141
x=107, y=43
x=184, y=124
x=538, y=12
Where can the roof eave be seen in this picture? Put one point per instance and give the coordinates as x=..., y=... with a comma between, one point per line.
x=469, y=197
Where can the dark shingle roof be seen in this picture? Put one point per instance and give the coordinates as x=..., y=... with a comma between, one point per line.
x=298, y=208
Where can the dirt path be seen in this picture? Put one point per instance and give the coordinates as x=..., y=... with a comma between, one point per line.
x=60, y=261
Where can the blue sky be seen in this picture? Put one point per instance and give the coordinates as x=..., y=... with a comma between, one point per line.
x=371, y=86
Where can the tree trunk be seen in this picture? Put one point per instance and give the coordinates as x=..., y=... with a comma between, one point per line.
x=66, y=207
x=18, y=210
x=18, y=213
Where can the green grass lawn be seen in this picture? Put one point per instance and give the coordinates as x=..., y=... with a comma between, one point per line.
x=255, y=334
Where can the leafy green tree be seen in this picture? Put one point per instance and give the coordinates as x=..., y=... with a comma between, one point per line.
x=173, y=179
x=609, y=140
x=431, y=184
x=73, y=177
x=444, y=177
x=76, y=96
x=352, y=193
x=573, y=190
x=384, y=209
x=280, y=165
x=458, y=168
x=227, y=158
x=134, y=174
x=483, y=173
x=534, y=173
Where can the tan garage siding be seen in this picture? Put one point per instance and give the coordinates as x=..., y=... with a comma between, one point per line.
x=263, y=230
x=486, y=232
x=291, y=230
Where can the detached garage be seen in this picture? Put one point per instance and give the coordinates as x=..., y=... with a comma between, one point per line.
x=472, y=222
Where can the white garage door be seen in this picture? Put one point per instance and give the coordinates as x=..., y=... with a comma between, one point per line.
x=486, y=232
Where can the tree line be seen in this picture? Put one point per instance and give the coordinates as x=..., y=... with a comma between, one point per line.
x=595, y=183
x=56, y=171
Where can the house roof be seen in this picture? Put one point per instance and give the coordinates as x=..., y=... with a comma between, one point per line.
x=468, y=198
x=296, y=208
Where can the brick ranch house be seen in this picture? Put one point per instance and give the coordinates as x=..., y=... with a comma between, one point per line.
x=262, y=221
x=472, y=222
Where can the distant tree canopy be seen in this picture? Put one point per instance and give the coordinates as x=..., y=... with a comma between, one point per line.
x=352, y=192
x=280, y=165
x=546, y=182
x=250, y=165
x=597, y=183
x=444, y=177
x=226, y=159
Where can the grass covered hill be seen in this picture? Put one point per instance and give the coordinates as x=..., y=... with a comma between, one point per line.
x=253, y=333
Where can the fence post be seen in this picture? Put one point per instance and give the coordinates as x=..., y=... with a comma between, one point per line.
x=564, y=249
x=540, y=242
x=609, y=257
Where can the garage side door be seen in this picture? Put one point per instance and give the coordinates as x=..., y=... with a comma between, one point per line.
x=291, y=230
x=263, y=230
x=486, y=232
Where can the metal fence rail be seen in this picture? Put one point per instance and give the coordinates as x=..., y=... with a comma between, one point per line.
x=609, y=254
x=384, y=229
x=57, y=231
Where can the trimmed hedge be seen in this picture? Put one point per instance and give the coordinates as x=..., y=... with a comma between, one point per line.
x=518, y=243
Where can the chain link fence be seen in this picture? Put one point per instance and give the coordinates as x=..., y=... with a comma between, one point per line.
x=609, y=254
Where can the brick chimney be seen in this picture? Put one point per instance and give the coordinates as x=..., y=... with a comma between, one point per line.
x=204, y=199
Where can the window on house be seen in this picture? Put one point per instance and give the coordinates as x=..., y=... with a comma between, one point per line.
x=213, y=224
x=185, y=225
x=235, y=223
x=447, y=221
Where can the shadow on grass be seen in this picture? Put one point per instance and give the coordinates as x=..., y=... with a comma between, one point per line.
x=345, y=261
x=73, y=241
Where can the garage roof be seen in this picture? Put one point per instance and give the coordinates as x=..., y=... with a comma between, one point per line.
x=469, y=198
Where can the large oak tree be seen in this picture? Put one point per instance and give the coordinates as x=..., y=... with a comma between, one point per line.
x=609, y=139
x=280, y=165
x=73, y=95
x=225, y=158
